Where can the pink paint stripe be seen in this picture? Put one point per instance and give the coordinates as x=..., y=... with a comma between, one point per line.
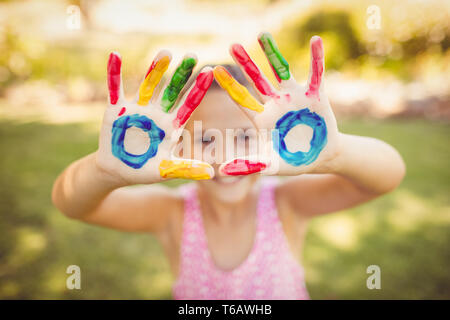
x=316, y=66
x=195, y=96
x=252, y=70
x=114, y=67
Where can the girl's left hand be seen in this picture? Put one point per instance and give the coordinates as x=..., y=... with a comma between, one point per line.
x=301, y=133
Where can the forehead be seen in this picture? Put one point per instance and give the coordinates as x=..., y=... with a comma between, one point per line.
x=217, y=110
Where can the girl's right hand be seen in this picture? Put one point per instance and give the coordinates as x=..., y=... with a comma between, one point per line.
x=137, y=138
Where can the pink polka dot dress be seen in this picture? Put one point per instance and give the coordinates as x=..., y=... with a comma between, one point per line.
x=269, y=272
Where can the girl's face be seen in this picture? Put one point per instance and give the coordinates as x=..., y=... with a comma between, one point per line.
x=219, y=131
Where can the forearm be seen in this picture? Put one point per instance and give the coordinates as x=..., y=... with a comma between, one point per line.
x=371, y=164
x=80, y=189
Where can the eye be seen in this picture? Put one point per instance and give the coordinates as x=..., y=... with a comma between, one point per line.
x=206, y=140
x=246, y=137
x=242, y=137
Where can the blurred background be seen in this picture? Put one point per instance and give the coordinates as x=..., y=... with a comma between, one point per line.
x=388, y=76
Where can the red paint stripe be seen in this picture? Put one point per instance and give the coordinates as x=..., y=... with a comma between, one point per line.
x=122, y=111
x=317, y=67
x=243, y=167
x=273, y=69
x=195, y=96
x=252, y=70
x=152, y=66
x=114, y=67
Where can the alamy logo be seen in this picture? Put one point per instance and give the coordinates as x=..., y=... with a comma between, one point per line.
x=73, y=21
x=373, y=21
x=373, y=281
x=74, y=280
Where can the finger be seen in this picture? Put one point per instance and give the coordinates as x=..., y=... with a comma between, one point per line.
x=115, y=77
x=279, y=65
x=238, y=167
x=258, y=79
x=316, y=68
x=186, y=169
x=178, y=81
x=153, y=77
x=194, y=97
x=236, y=91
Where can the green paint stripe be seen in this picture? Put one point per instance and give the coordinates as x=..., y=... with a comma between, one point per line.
x=272, y=52
x=178, y=81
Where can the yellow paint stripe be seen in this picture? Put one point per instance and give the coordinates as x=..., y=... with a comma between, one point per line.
x=185, y=169
x=237, y=92
x=151, y=81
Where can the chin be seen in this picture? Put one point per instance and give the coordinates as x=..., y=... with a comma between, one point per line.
x=229, y=189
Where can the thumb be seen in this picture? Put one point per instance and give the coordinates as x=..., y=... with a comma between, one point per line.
x=186, y=169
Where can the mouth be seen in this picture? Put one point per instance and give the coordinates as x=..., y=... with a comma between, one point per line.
x=227, y=180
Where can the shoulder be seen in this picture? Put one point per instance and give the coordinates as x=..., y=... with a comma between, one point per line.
x=291, y=192
x=273, y=192
x=293, y=220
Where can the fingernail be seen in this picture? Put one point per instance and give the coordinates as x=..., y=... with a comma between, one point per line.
x=185, y=170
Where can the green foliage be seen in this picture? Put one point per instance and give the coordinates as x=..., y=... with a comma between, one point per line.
x=351, y=46
x=24, y=58
x=336, y=27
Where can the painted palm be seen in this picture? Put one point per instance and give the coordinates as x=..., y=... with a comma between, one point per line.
x=137, y=138
x=300, y=129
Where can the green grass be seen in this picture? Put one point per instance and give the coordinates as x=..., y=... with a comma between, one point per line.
x=406, y=232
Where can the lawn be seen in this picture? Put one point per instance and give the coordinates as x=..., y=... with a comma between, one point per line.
x=405, y=233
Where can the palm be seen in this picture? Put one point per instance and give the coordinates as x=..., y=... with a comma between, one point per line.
x=301, y=132
x=137, y=138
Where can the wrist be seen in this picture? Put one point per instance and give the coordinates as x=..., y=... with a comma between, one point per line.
x=337, y=163
x=106, y=176
x=334, y=161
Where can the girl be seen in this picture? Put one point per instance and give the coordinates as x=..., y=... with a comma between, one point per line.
x=231, y=235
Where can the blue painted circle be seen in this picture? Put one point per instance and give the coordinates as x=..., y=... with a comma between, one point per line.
x=120, y=127
x=289, y=121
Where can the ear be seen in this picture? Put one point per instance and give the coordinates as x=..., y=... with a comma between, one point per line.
x=114, y=77
x=317, y=67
